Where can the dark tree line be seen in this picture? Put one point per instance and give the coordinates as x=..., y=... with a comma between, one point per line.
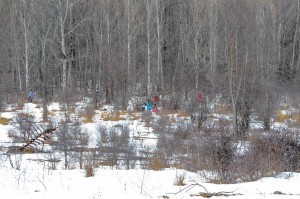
x=247, y=51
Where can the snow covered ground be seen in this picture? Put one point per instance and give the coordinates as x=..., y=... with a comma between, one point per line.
x=34, y=180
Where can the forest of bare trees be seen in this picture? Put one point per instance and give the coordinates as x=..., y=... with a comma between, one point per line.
x=243, y=52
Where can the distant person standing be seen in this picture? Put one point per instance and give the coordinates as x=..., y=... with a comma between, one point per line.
x=154, y=109
x=144, y=107
x=199, y=98
x=148, y=105
x=30, y=96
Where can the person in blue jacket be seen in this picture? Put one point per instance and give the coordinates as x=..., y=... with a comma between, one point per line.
x=148, y=104
x=30, y=96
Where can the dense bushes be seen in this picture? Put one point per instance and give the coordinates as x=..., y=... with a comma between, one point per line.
x=216, y=149
x=228, y=157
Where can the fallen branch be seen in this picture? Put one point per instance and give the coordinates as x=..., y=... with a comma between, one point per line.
x=38, y=139
x=222, y=193
x=205, y=194
x=189, y=188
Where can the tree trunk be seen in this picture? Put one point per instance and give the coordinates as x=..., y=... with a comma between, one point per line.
x=62, y=20
x=128, y=43
x=26, y=44
x=160, y=77
x=293, y=68
x=149, y=85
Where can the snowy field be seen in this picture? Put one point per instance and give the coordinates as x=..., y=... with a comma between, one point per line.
x=34, y=179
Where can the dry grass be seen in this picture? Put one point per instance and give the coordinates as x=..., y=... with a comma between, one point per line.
x=156, y=163
x=182, y=114
x=215, y=181
x=50, y=113
x=166, y=112
x=222, y=109
x=28, y=150
x=4, y=120
x=20, y=106
x=115, y=116
x=136, y=117
x=87, y=114
x=282, y=117
x=71, y=109
x=88, y=118
x=296, y=117
x=106, y=116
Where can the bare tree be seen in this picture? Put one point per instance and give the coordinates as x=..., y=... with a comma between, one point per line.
x=65, y=143
x=25, y=21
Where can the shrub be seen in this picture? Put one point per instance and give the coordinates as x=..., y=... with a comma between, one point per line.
x=179, y=181
x=258, y=160
x=24, y=125
x=88, y=115
x=87, y=118
x=217, y=151
x=269, y=154
x=89, y=170
x=12, y=133
x=52, y=160
x=162, y=123
x=116, y=116
x=147, y=118
x=183, y=131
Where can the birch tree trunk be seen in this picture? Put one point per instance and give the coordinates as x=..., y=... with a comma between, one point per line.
x=160, y=76
x=17, y=63
x=109, y=84
x=62, y=21
x=212, y=42
x=41, y=46
x=196, y=67
x=128, y=42
x=295, y=38
x=43, y=77
x=99, y=36
x=149, y=85
x=26, y=45
x=100, y=59
x=234, y=85
x=197, y=26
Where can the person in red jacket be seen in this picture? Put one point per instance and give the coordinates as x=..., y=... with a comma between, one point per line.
x=199, y=98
